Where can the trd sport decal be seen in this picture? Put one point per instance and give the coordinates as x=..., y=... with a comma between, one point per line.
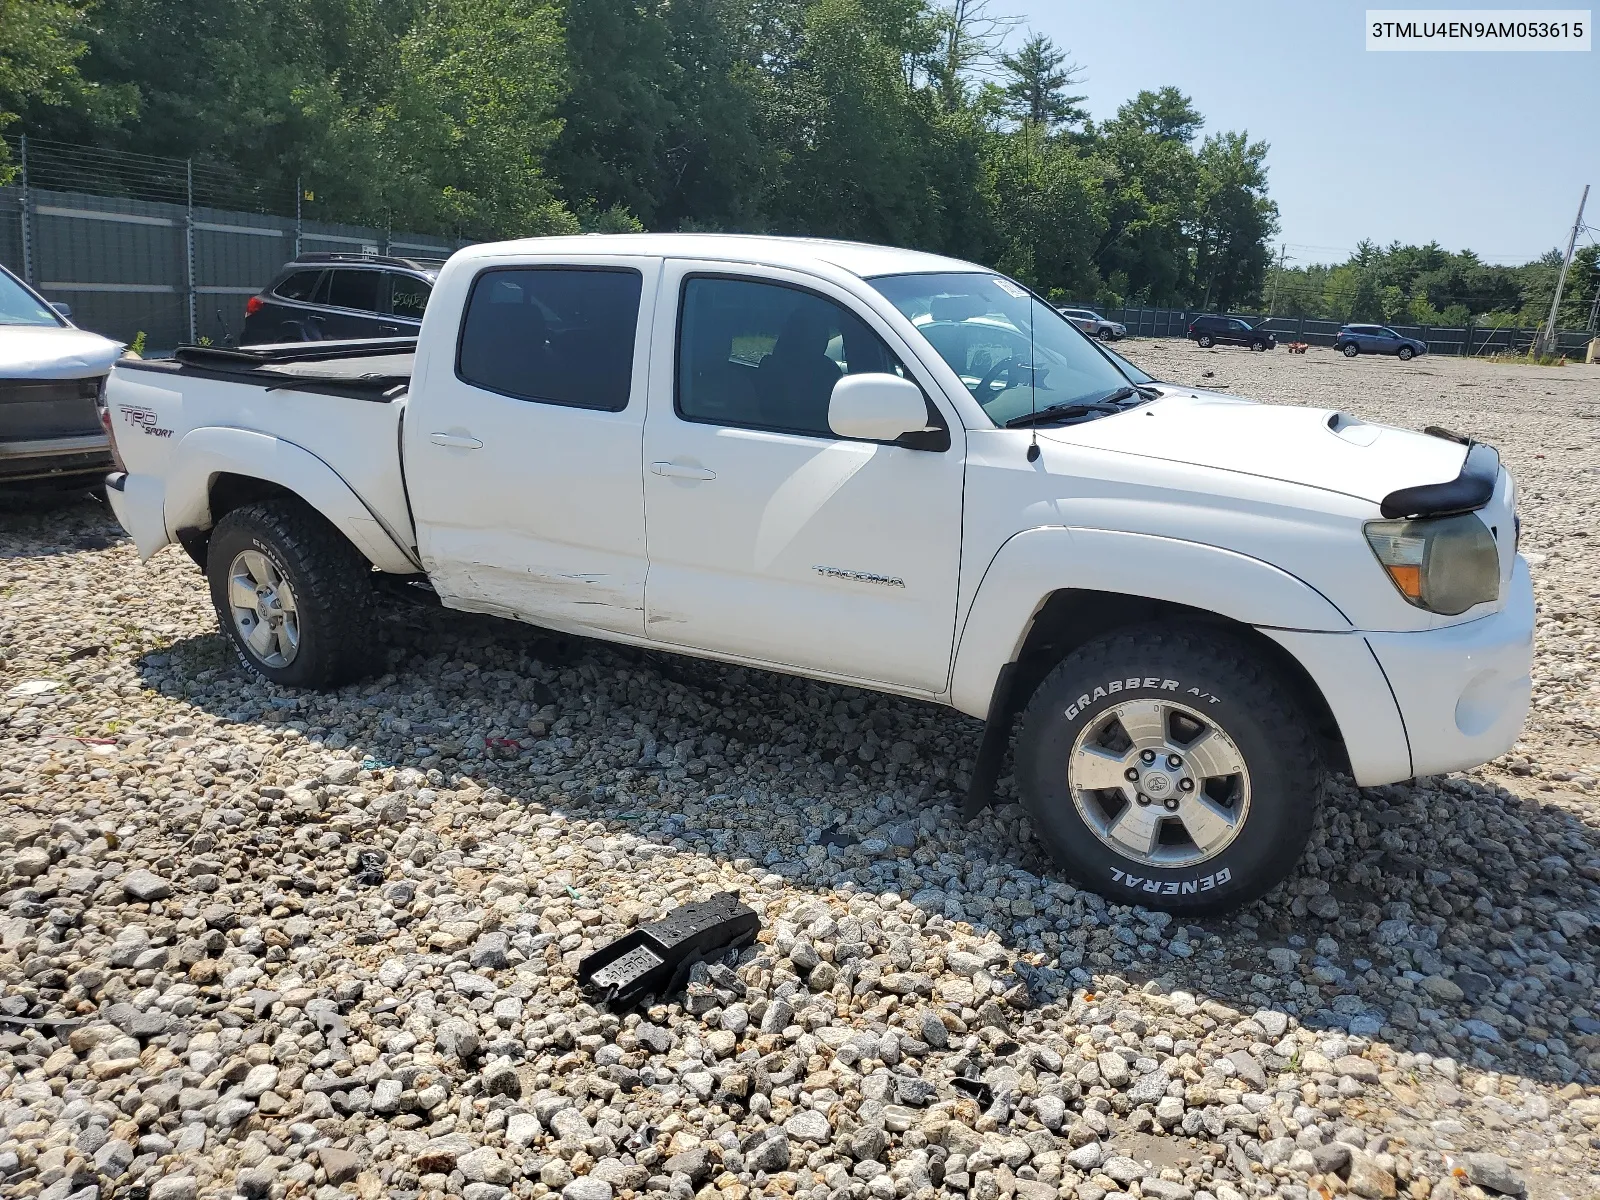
x=143, y=418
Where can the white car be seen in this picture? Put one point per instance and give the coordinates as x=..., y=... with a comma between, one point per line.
x=879, y=468
x=50, y=378
x=1094, y=324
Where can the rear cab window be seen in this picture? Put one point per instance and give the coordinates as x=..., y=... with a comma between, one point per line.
x=552, y=334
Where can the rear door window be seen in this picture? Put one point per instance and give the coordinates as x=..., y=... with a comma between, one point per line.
x=408, y=295
x=356, y=289
x=552, y=335
x=302, y=286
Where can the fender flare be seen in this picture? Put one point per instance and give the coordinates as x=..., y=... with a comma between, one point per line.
x=1034, y=564
x=204, y=453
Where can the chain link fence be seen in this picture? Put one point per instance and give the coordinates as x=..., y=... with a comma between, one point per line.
x=167, y=247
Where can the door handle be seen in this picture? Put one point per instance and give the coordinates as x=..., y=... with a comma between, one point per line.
x=450, y=439
x=384, y=327
x=679, y=471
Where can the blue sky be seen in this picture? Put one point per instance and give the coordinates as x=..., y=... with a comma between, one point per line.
x=1481, y=151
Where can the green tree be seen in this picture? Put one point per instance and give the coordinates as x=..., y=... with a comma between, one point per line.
x=1151, y=183
x=1038, y=76
x=465, y=132
x=1053, y=218
x=1167, y=114
x=856, y=158
x=887, y=120
x=617, y=112
x=1234, y=220
x=41, y=44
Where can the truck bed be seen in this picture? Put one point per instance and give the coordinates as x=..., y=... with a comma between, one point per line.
x=377, y=370
x=342, y=402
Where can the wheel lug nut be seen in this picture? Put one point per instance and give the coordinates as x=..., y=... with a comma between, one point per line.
x=1172, y=804
x=1148, y=756
x=1174, y=761
x=1131, y=775
x=1186, y=785
x=1143, y=800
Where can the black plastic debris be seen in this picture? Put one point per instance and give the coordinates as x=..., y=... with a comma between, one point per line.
x=655, y=959
x=976, y=1088
x=370, y=867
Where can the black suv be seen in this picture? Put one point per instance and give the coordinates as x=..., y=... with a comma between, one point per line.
x=1230, y=331
x=319, y=297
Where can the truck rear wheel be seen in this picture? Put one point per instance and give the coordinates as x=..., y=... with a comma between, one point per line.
x=1169, y=767
x=292, y=594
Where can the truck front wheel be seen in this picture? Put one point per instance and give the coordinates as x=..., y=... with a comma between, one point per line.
x=292, y=594
x=1169, y=767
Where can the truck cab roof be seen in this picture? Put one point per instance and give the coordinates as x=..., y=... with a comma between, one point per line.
x=859, y=258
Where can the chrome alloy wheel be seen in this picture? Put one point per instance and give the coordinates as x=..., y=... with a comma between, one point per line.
x=1159, y=783
x=263, y=609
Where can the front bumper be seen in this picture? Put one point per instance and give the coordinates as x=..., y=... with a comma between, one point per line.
x=56, y=457
x=1464, y=690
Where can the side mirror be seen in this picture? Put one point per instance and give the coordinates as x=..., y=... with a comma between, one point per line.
x=62, y=310
x=876, y=407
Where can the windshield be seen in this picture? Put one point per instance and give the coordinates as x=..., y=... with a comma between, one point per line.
x=1135, y=374
x=19, y=306
x=1014, y=353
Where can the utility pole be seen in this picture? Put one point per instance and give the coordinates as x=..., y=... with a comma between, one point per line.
x=1283, y=256
x=1548, y=341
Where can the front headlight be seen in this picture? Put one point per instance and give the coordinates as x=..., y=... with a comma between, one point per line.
x=1443, y=564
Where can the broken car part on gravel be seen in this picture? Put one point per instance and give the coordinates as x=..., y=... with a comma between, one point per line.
x=655, y=958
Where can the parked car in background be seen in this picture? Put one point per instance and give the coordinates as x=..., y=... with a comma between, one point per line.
x=1377, y=339
x=327, y=297
x=51, y=375
x=1207, y=330
x=884, y=469
x=1094, y=324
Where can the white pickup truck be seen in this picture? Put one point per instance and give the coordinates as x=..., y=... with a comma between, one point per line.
x=881, y=468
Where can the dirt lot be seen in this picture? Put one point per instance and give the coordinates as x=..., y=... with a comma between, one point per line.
x=325, y=944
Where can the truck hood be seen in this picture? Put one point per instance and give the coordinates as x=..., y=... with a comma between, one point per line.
x=43, y=352
x=1316, y=447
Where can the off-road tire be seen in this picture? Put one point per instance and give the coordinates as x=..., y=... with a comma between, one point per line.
x=1208, y=670
x=1205, y=341
x=332, y=587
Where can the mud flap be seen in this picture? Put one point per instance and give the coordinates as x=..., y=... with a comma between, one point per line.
x=992, y=749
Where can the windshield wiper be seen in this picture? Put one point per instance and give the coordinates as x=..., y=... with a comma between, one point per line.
x=1109, y=403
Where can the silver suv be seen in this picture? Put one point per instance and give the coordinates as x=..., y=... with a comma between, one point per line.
x=1094, y=324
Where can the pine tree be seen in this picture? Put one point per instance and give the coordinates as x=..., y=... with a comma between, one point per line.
x=1038, y=77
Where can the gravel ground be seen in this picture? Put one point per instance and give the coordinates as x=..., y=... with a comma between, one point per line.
x=277, y=945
